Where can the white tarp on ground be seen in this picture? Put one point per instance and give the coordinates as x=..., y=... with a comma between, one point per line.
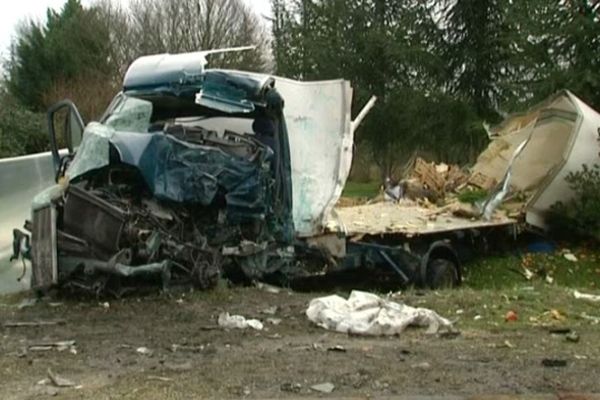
x=368, y=314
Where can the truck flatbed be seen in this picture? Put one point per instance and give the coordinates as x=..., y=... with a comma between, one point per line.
x=405, y=218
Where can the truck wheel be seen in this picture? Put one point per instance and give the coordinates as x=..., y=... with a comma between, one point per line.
x=442, y=274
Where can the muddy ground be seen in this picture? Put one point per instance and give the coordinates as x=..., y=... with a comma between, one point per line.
x=188, y=356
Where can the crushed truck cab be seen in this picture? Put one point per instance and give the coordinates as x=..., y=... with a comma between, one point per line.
x=189, y=173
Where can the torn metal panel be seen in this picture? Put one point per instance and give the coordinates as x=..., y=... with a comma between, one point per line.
x=560, y=135
x=318, y=116
x=169, y=69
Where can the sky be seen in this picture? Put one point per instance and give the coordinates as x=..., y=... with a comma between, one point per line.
x=22, y=10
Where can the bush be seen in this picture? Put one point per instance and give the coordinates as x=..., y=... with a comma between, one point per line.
x=21, y=131
x=580, y=217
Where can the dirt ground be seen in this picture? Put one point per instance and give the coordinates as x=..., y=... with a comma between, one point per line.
x=188, y=356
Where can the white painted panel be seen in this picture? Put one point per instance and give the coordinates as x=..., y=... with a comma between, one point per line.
x=318, y=121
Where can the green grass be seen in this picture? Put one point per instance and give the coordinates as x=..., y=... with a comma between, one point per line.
x=473, y=196
x=535, y=305
x=361, y=189
x=507, y=272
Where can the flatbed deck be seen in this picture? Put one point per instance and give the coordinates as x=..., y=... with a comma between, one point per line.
x=405, y=218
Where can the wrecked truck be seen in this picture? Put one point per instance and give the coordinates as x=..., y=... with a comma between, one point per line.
x=186, y=176
x=195, y=173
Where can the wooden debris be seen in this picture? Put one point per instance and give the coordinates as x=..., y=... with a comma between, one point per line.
x=59, y=381
x=481, y=181
x=29, y=324
x=438, y=178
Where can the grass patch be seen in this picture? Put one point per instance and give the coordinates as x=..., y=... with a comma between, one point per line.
x=536, y=305
x=473, y=196
x=361, y=189
x=551, y=269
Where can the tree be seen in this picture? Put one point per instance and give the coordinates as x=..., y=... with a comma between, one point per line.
x=388, y=48
x=476, y=50
x=176, y=26
x=70, y=45
x=557, y=47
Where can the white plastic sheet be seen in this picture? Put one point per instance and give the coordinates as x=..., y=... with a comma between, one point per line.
x=368, y=314
x=238, y=322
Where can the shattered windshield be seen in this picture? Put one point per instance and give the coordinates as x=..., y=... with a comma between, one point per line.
x=133, y=114
x=130, y=114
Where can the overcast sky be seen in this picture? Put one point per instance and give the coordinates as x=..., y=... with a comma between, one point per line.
x=16, y=11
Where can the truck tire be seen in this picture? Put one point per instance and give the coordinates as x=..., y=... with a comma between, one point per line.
x=442, y=274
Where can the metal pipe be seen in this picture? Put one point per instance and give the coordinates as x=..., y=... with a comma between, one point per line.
x=363, y=113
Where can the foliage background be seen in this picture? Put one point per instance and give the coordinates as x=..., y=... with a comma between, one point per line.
x=441, y=68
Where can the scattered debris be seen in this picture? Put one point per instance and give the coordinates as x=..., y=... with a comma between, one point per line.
x=28, y=324
x=572, y=337
x=30, y=302
x=511, y=316
x=338, y=349
x=368, y=314
x=392, y=191
x=570, y=257
x=439, y=178
x=268, y=288
x=159, y=378
x=508, y=344
x=422, y=365
x=59, y=381
x=586, y=296
x=144, y=351
x=593, y=319
x=552, y=362
x=291, y=387
x=557, y=315
x=58, y=346
x=270, y=310
x=238, y=322
x=326, y=387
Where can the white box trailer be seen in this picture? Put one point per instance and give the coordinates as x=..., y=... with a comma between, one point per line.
x=556, y=137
